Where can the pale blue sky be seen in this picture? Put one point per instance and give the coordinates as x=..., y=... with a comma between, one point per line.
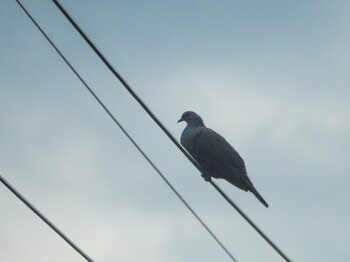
x=272, y=77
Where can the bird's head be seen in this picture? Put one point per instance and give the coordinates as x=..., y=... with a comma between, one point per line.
x=190, y=117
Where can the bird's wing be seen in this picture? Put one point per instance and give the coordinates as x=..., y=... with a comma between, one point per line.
x=214, y=153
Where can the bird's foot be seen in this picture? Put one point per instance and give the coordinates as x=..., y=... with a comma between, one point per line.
x=206, y=177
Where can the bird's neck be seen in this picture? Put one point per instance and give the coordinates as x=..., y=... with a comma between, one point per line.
x=197, y=122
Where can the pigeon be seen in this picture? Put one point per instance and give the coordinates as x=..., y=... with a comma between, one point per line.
x=214, y=154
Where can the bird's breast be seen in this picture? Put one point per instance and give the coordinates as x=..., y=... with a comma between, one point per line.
x=188, y=137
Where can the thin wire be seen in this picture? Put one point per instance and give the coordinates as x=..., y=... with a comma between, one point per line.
x=165, y=130
x=131, y=139
x=44, y=218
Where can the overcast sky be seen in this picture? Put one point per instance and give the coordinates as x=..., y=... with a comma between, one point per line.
x=272, y=77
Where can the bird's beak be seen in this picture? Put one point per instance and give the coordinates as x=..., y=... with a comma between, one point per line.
x=180, y=120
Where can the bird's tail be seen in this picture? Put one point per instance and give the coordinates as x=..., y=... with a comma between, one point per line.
x=258, y=196
x=245, y=184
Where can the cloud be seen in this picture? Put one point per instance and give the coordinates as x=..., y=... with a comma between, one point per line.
x=275, y=85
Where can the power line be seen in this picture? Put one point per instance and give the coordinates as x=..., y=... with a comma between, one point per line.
x=165, y=130
x=130, y=138
x=44, y=218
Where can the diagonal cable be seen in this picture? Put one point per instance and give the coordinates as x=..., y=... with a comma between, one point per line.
x=44, y=218
x=165, y=130
x=130, y=138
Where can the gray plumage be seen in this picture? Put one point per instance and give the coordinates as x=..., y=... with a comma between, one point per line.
x=215, y=155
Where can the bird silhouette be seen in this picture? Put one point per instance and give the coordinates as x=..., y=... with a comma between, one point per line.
x=214, y=154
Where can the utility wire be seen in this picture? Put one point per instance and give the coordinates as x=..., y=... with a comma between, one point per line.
x=165, y=130
x=44, y=218
x=130, y=138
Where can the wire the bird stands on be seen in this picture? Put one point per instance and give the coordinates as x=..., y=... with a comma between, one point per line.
x=171, y=137
x=130, y=138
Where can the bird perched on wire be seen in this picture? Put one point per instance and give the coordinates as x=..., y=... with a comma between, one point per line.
x=214, y=154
